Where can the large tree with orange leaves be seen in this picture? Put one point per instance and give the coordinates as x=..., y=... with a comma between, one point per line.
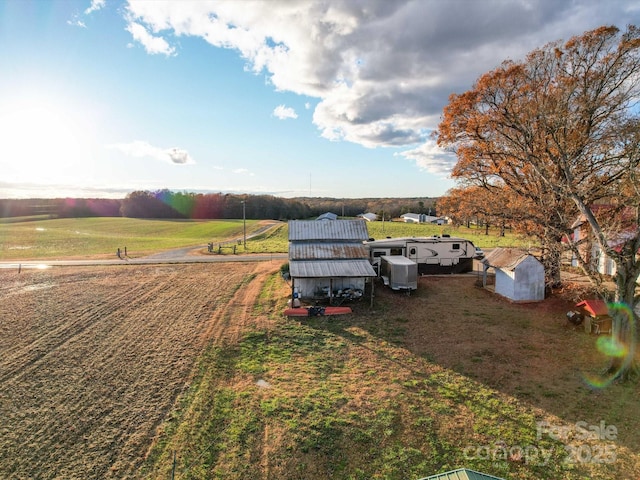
x=561, y=128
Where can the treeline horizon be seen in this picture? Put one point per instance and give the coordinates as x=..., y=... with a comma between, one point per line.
x=202, y=206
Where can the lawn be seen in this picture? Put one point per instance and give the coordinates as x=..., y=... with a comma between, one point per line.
x=28, y=238
x=449, y=377
x=101, y=237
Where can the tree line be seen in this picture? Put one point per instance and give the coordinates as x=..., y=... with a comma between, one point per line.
x=186, y=205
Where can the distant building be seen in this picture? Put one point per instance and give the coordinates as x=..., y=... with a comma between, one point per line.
x=328, y=216
x=423, y=218
x=369, y=217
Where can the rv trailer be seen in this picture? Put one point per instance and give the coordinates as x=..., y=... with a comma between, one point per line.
x=399, y=273
x=438, y=254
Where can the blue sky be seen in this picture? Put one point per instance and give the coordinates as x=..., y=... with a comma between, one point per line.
x=323, y=99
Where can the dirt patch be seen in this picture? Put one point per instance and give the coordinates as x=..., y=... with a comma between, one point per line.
x=529, y=351
x=94, y=358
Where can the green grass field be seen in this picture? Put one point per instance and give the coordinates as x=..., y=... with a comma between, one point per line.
x=351, y=398
x=101, y=237
x=37, y=238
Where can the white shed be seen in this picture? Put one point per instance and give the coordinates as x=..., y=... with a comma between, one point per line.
x=519, y=275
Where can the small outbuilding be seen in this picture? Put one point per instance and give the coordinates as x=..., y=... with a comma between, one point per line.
x=519, y=276
x=328, y=259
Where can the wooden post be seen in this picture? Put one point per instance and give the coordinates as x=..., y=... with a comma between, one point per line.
x=372, y=283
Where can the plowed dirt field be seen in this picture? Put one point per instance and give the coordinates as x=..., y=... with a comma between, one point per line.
x=94, y=357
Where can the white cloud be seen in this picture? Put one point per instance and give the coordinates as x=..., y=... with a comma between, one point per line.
x=95, y=6
x=152, y=44
x=428, y=156
x=382, y=71
x=75, y=22
x=140, y=149
x=283, y=112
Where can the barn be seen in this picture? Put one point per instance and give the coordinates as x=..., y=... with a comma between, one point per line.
x=328, y=260
x=519, y=275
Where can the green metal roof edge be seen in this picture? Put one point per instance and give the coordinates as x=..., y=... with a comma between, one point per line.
x=468, y=475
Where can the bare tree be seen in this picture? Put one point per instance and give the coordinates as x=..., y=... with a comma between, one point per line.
x=562, y=127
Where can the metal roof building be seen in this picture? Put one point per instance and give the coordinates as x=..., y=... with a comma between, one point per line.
x=343, y=231
x=519, y=275
x=328, y=257
x=462, y=474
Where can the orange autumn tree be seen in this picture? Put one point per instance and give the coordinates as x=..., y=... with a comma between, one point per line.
x=498, y=205
x=466, y=204
x=561, y=131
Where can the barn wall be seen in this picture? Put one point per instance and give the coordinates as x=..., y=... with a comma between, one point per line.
x=504, y=283
x=529, y=281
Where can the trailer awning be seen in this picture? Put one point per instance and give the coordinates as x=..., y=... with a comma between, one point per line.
x=331, y=269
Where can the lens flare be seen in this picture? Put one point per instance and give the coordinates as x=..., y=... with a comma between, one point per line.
x=621, y=353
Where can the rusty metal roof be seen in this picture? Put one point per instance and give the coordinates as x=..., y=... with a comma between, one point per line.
x=333, y=230
x=326, y=250
x=330, y=269
x=505, y=258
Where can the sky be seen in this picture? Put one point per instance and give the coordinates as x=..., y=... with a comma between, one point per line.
x=99, y=98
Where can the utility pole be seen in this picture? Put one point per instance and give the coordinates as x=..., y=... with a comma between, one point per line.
x=244, y=224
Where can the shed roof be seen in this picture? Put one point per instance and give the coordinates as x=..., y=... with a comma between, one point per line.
x=328, y=216
x=337, y=230
x=326, y=250
x=333, y=269
x=462, y=474
x=505, y=258
x=595, y=307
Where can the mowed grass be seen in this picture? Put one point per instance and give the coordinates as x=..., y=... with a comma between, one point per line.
x=349, y=398
x=101, y=237
x=36, y=238
x=276, y=240
x=380, y=230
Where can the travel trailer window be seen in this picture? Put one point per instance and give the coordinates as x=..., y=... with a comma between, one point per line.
x=455, y=246
x=379, y=254
x=396, y=251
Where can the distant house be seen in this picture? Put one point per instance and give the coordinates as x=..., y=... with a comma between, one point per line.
x=327, y=257
x=411, y=217
x=328, y=216
x=590, y=250
x=369, y=217
x=461, y=474
x=519, y=275
x=422, y=218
